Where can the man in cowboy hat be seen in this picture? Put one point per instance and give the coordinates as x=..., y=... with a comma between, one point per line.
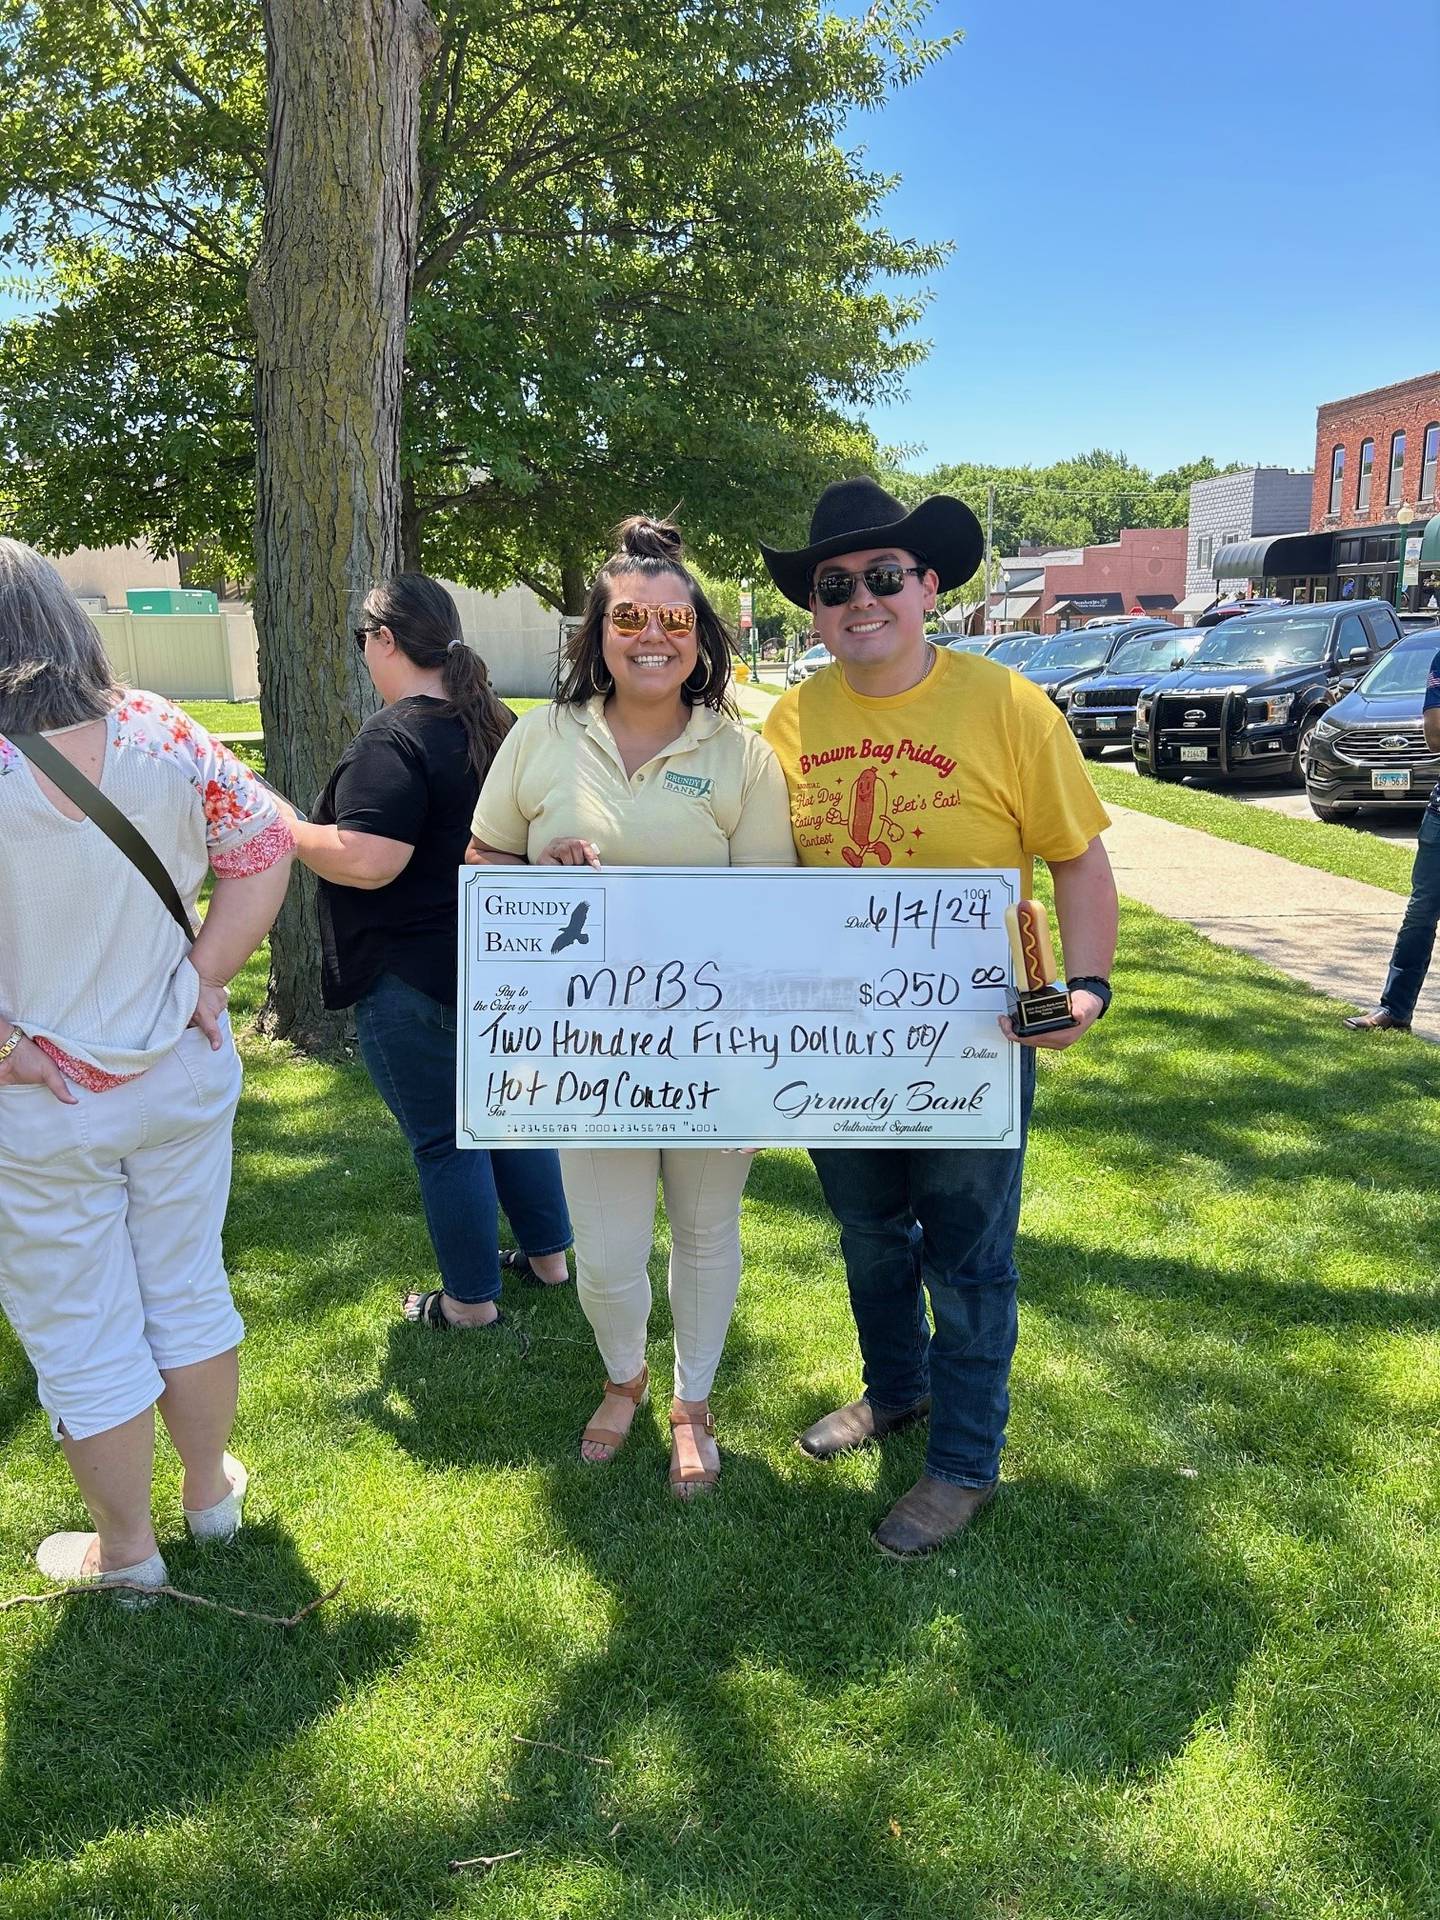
x=923, y=757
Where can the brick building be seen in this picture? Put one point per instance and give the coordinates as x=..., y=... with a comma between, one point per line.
x=1377, y=457
x=1376, y=452
x=1141, y=572
x=1374, y=513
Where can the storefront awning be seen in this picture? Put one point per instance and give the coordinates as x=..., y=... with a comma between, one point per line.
x=1430, y=544
x=1157, y=602
x=1273, y=555
x=1195, y=603
x=1089, y=603
x=1014, y=606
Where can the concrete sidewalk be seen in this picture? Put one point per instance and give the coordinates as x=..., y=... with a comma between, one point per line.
x=1334, y=934
x=753, y=704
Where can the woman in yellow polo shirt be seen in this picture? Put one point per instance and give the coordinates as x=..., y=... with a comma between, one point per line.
x=642, y=761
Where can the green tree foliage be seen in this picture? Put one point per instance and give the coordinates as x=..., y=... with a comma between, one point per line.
x=1083, y=501
x=648, y=273
x=1080, y=502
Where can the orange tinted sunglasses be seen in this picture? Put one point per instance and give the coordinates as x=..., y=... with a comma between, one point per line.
x=629, y=618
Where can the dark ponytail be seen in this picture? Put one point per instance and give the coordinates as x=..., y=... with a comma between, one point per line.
x=650, y=548
x=426, y=624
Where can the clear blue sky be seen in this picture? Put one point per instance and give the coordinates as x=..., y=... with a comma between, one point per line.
x=1178, y=228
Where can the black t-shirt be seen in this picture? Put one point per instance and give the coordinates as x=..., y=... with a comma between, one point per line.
x=405, y=776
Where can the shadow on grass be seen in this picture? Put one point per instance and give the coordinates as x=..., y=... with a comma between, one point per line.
x=99, y=1719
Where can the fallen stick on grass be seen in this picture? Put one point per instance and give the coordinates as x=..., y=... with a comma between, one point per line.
x=594, y=1759
x=168, y=1593
x=483, y=1862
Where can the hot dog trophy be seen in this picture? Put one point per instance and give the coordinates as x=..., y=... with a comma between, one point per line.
x=1039, y=999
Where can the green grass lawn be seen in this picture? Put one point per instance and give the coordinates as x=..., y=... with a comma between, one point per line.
x=224, y=716
x=1184, y=1670
x=238, y=716
x=243, y=716
x=1348, y=851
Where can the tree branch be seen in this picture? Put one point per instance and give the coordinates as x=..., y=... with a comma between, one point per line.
x=552, y=595
x=246, y=152
x=168, y=1593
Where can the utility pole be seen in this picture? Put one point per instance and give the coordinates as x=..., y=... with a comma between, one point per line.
x=989, y=553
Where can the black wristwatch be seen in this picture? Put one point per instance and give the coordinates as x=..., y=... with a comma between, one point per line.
x=1092, y=983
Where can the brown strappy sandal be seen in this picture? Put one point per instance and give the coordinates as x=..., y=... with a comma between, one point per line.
x=686, y=1482
x=638, y=1392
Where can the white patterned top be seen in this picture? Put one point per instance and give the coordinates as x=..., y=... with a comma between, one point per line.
x=92, y=965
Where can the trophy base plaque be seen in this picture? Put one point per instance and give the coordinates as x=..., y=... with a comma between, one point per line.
x=1040, y=1010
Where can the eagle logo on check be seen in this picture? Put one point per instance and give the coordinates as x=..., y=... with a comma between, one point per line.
x=572, y=934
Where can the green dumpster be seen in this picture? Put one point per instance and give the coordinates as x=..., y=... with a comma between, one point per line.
x=170, y=600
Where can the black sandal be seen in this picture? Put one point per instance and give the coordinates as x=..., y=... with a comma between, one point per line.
x=429, y=1313
x=513, y=1261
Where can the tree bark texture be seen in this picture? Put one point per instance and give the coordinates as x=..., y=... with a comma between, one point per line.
x=330, y=297
x=574, y=586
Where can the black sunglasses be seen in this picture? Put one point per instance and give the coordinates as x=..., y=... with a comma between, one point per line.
x=885, y=580
x=362, y=634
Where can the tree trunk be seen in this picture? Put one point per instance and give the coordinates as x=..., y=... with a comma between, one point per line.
x=329, y=296
x=574, y=586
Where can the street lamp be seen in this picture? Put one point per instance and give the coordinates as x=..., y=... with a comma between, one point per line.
x=1404, y=514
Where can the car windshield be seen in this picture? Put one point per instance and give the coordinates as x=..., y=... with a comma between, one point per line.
x=1073, y=650
x=1149, y=652
x=1259, y=643
x=1403, y=671
x=816, y=653
x=966, y=646
x=1014, y=653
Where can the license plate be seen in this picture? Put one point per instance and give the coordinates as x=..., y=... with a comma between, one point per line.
x=1392, y=780
x=1106, y=723
x=1195, y=753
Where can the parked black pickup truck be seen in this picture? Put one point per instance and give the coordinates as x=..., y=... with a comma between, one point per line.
x=1248, y=700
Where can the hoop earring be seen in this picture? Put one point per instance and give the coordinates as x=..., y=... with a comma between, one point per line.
x=609, y=682
x=702, y=685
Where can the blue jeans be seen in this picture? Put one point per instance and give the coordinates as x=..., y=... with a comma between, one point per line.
x=1415, y=942
x=942, y=1220
x=407, y=1041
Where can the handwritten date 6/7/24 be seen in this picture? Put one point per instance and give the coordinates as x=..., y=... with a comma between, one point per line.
x=966, y=909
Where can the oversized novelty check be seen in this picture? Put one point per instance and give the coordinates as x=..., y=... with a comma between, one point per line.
x=734, y=1007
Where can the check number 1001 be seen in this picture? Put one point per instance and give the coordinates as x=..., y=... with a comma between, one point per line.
x=897, y=987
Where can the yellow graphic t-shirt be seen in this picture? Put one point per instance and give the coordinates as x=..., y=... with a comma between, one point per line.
x=974, y=767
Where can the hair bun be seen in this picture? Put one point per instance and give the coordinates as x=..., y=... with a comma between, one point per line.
x=646, y=539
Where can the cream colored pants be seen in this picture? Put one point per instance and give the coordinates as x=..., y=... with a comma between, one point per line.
x=612, y=1210
x=111, y=1271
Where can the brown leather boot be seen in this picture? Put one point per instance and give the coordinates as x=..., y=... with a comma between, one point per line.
x=1380, y=1021
x=932, y=1512
x=856, y=1425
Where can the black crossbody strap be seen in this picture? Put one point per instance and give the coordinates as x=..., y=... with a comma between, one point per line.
x=107, y=816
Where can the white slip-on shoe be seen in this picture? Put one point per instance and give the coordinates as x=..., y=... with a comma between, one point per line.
x=222, y=1521
x=61, y=1558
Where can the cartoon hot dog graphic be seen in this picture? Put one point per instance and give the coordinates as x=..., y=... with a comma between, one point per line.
x=870, y=825
x=1028, y=925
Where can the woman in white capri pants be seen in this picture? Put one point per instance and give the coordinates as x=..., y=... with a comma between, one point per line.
x=118, y=1075
x=641, y=762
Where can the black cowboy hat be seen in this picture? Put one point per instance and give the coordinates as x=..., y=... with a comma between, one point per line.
x=852, y=515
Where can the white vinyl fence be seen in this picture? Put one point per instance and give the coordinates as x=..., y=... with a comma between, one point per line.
x=186, y=656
